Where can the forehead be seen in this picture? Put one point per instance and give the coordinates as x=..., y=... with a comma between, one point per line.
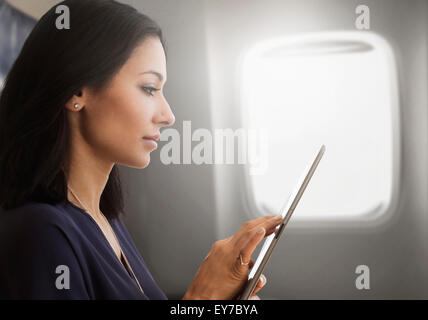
x=149, y=55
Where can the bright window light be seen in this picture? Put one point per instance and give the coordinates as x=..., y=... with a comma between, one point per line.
x=338, y=89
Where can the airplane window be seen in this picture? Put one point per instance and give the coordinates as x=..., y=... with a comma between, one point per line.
x=333, y=88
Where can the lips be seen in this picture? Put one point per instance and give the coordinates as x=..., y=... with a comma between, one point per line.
x=156, y=137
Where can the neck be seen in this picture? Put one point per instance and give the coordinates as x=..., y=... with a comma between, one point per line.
x=87, y=171
x=87, y=179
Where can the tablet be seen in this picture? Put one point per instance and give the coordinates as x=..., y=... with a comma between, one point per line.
x=286, y=212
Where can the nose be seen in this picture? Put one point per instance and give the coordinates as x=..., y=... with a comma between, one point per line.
x=166, y=117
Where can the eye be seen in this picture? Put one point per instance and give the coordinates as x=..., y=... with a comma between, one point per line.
x=150, y=90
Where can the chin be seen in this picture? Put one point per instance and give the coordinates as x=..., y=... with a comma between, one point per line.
x=145, y=165
x=141, y=163
x=145, y=162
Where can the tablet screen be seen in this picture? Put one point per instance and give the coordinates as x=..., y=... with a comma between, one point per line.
x=285, y=211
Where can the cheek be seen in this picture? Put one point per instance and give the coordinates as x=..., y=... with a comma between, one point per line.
x=121, y=120
x=132, y=119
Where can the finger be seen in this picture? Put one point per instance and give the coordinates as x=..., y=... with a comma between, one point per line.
x=272, y=230
x=251, y=264
x=260, y=283
x=248, y=266
x=244, y=236
x=244, y=267
x=254, y=239
x=269, y=224
x=250, y=224
x=250, y=246
x=258, y=221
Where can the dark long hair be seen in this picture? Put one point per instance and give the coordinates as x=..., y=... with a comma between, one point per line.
x=53, y=65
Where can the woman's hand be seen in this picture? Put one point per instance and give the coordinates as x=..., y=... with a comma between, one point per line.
x=221, y=275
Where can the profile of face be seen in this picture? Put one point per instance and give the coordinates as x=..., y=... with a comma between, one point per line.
x=111, y=123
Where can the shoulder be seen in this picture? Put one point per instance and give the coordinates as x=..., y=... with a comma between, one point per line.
x=36, y=231
x=33, y=219
x=35, y=241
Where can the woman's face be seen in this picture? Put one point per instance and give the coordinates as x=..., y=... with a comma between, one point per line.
x=130, y=107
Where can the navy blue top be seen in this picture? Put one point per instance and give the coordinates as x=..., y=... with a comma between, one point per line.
x=37, y=238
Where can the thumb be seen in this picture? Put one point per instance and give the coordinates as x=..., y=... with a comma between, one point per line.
x=251, y=264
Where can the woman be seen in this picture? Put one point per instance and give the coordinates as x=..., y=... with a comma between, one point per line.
x=77, y=102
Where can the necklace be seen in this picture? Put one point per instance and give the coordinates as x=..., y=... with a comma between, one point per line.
x=111, y=229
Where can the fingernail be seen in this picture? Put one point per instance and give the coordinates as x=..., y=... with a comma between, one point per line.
x=261, y=230
x=263, y=278
x=278, y=217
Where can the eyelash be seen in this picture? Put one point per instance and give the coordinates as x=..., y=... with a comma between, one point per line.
x=149, y=90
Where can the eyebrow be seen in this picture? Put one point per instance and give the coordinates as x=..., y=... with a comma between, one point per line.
x=160, y=76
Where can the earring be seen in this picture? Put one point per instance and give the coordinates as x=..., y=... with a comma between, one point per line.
x=76, y=105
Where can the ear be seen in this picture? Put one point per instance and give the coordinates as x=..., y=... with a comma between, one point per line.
x=77, y=101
